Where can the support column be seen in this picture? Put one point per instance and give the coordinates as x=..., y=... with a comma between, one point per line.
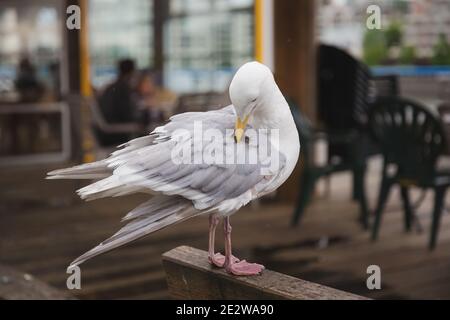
x=160, y=14
x=295, y=64
x=295, y=52
x=71, y=77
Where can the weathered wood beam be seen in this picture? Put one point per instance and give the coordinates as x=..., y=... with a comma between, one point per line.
x=190, y=276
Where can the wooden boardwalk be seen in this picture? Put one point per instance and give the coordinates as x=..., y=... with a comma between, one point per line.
x=43, y=227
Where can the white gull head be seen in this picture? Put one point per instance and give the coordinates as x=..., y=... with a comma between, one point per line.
x=258, y=101
x=246, y=87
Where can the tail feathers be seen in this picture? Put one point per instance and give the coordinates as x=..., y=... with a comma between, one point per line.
x=93, y=170
x=108, y=187
x=155, y=204
x=148, y=222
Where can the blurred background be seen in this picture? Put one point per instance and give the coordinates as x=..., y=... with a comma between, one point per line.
x=371, y=106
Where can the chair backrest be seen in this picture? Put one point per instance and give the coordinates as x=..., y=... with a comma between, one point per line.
x=444, y=113
x=304, y=128
x=409, y=135
x=343, y=87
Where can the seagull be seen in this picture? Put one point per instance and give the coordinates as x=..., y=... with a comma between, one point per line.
x=253, y=147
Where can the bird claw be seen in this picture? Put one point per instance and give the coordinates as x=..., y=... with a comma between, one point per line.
x=218, y=260
x=244, y=268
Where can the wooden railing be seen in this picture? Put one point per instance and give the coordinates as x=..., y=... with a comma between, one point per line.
x=190, y=276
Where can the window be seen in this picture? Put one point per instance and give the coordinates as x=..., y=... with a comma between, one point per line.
x=205, y=41
x=117, y=30
x=34, y=33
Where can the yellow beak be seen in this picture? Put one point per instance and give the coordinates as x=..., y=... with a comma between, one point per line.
x=239, y=128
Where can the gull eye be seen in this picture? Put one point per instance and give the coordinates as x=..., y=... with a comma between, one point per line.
x=254, y=100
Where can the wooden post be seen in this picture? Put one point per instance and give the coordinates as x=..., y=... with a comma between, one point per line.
x=295, y=66
x=160, y=14
x=190, y=276
x=71, y=72
x=295, y=52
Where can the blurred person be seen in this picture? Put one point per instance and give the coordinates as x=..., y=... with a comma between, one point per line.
x=27, y=83
x=55, y=75
x=162, y=97
x=117, y=103
x=149, y=100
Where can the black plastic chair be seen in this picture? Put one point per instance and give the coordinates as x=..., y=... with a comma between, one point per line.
x=411, y=138
x=310, y=173
x=313, y=172
x=343, y=91
x=444, y=115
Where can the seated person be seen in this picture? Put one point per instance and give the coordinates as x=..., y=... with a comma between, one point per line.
x=146, y=94
x=154, y=102
x=117, y=103
x=27, y=83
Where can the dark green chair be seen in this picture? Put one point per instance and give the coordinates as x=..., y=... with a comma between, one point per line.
x=411, y=139
x=312, y=173
x=343, y=85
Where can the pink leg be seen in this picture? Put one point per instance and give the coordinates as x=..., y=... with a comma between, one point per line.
x=216, y=259
x=238, y=268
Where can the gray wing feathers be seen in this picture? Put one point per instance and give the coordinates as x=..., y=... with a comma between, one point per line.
x=161, y=214
x=101, y=169
x=183, y=190
x=151, y=168
x=95, y=170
